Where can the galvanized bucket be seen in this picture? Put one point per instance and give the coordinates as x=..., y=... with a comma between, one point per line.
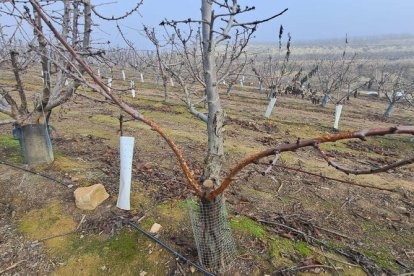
x=35, y=143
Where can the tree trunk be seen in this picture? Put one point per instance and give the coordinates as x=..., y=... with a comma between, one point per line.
x=215, y=154
x=390, y=109
x=162, y=72
x=210, y=245
x=325, y=100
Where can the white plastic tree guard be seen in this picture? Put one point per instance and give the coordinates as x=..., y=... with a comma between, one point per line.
x=123, y=75
x=109, y=83
x=132, y=86
x=172, y=82
x=142, y=77
x=338, y=111
x=126, y=149
x=99, y=72
x=270, y=107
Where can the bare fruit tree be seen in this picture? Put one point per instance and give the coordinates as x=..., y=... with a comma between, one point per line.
x=161, y=59
x=332, y=74
x=58, y=84
x=392, y=84
x=275, y=71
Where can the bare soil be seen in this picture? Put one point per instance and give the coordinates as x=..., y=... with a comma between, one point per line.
x=279, y=220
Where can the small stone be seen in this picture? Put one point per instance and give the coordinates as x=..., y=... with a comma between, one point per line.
x=192, y=269
x=155, y=228
x=208, y=184
x=88, y=198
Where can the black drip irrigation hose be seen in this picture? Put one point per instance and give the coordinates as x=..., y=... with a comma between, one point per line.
x=36, y=173
x=181, y=257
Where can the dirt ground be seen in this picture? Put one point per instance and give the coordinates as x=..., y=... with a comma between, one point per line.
x=287, y=222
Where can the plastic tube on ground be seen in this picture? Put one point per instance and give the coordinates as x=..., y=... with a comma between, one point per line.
x=270, y=107
x=338, y=111
x=126, y=149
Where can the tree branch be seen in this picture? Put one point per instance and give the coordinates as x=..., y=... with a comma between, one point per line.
x=362, y=134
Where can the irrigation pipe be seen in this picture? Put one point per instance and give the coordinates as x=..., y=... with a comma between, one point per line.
x=181, y=257
x=136, y=227
x=36, y=173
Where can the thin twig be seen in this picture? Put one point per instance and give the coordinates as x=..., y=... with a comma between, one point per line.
x=295, y=268
x=80, y=223
x=11, y=267
x=334, y=259
x=277, y=156
x=329, y=231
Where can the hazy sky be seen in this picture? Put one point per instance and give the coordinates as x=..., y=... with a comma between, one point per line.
x=305, y=19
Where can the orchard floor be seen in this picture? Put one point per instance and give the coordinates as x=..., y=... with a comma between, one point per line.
x=364, y=229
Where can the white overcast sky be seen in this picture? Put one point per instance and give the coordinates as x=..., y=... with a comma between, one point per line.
x=305, y=19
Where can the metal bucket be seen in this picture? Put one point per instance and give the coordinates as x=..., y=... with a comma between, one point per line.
x=35, y=143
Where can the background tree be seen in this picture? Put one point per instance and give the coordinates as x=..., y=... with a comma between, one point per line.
x=332, y=73
x=58, y=83
x=393, y=84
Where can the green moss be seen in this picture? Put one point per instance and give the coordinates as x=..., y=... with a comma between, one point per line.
x=122, y=247
x=9, y=142
x=302, y=248
x=280, y=251
x=125, y=253
x=234, y=147
x=46, y=222
x=380, y=254
x=106, y=119
x=66, y=164
x=11, y=149
x=247, y=226
x=382, y=257
x=139, y=201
